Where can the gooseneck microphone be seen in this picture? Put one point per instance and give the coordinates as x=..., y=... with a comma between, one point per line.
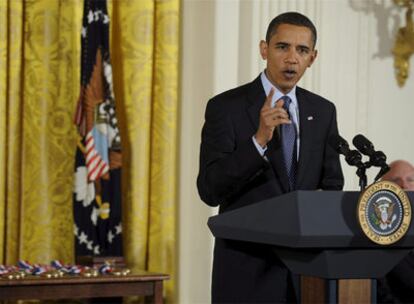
x=376, y=158
x=363, y=145
x=352, y=157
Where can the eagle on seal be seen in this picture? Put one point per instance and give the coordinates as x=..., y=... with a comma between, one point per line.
x=384, y=209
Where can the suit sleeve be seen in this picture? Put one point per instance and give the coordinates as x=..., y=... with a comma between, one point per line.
x=227, y=163
x=332, y=177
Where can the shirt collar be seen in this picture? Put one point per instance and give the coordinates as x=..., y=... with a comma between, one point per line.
x=267, y=85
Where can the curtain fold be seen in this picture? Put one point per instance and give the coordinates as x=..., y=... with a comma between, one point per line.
x=50, y=89
x=39, y=87
x=164, y=139
x=145, y=57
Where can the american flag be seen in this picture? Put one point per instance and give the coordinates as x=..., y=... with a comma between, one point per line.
x=97, y=191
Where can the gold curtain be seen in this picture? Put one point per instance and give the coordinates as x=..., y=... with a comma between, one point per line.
x=145, y=41
x=39, y=87
x=39, y=74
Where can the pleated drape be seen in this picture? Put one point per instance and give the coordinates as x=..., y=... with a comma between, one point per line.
x=145, y=56
x=39, y=85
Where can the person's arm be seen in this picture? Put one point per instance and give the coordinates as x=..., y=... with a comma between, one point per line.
x=332, y=177
x=225, y=165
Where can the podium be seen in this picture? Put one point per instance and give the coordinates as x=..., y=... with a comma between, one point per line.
x=316, y=234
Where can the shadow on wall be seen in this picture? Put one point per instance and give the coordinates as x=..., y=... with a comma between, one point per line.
x=389, y=20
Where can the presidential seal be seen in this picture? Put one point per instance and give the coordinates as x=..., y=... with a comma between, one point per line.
x=384, y=212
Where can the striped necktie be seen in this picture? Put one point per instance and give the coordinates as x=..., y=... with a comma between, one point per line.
x=288, y=137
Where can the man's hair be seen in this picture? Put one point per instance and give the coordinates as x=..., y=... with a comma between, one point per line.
x=293, y=18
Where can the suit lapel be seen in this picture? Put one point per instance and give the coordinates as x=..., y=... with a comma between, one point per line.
x=274, y=153
x=307, y=120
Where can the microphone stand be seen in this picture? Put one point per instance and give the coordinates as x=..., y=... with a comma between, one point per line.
x=362, y=174
x=384, y=169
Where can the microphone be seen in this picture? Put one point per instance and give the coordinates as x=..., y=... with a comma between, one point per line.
x=352, y=157
x=376, y=158
x=363, y=145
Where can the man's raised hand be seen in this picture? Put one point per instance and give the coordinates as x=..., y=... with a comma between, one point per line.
x=270, y=118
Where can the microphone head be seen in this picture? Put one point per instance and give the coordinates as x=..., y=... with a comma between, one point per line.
x=379, y=159
x=363, y=145
x=353, y=158
x=339, y=144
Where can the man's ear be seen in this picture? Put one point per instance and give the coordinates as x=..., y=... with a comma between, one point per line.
x=313, y=57
x=263, y=49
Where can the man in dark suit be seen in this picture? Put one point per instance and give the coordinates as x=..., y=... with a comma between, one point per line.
x=261, y=140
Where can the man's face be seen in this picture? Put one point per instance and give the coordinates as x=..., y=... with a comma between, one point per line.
x=402, y=174
x=289, y=52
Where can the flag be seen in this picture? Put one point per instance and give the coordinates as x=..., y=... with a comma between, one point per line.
x=97, y=189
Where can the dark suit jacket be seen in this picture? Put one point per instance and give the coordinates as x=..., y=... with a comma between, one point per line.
x=233, y=174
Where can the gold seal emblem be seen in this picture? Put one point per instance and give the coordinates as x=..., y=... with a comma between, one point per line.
x=384, y=212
